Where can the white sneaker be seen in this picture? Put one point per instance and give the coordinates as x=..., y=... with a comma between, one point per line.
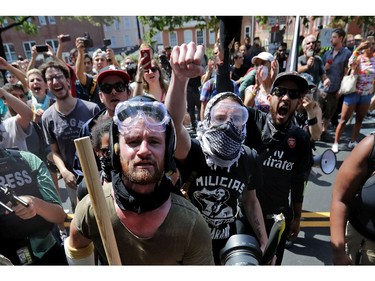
x=335, y=147
x=351, y=144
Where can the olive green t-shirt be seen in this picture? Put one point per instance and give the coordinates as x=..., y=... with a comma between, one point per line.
x=182, y=239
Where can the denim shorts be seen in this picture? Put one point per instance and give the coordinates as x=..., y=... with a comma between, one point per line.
x=354, y=98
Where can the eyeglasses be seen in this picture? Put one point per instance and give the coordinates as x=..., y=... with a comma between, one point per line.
x=57, y=77
x=154, y=68
x=153, y=115
x=292, y=94
x=107, y=88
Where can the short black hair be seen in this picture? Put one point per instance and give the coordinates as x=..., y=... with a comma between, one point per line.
x=341, y=32
x=101, y=127
x=58, y=65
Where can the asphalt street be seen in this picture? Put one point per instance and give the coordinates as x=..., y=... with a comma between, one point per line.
x=312, y=246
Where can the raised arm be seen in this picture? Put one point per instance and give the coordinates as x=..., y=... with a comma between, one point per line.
x=80, y=67
x=314, y=117
x=21, y=76
x=138, y=88
x=186, y=63
x=111, y=57
x=60, y=47
x=349, y=179
x=24, y=113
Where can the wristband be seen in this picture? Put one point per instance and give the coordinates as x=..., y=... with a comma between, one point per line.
x=312, y=121
x=83, y=256
x=139, y=82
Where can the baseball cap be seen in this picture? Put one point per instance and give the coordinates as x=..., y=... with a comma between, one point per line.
x=112, y=70
x=99, y=52
x=294, y=76
x=309, y=79
x=262, y=56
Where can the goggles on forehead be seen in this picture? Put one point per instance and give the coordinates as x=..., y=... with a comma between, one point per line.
x=223, y=112
x=153, y=115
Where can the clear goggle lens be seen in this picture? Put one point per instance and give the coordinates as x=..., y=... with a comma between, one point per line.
x=152, y=115
x=223, y=112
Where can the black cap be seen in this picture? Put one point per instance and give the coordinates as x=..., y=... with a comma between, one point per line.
x=294, y=76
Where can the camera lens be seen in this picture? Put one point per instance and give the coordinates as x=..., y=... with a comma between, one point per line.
x=241, y=249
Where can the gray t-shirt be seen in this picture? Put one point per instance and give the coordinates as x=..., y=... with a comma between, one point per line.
x=64, y=129
x=316, y=71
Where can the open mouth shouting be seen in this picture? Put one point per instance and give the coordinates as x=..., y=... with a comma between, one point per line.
x=283, y=112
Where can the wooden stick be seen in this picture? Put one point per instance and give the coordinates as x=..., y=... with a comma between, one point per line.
x=94, y=186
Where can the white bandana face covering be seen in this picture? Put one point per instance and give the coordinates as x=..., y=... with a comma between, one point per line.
x=222, y=144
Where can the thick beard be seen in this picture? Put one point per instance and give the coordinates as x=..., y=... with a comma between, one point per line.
x=141, y=176
x=309, y=53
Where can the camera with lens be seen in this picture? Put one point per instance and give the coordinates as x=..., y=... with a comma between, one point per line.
x=87, y=41
x=107, y=42
x=241, y=249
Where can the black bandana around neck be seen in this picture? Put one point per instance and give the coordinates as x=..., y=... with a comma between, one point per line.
x=272, y=134
x=139, y=203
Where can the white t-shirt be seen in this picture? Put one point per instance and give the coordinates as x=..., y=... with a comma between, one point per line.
x=13, y=135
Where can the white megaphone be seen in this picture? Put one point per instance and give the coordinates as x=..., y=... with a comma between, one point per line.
x=326, y=161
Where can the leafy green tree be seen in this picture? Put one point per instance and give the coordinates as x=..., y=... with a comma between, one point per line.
x=155, y=24
x=336, y=21
x=20, y=23
x=95, y=21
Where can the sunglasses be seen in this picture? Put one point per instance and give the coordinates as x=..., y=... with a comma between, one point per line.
x=292, y=94
x=154, y=68
x=107, y=88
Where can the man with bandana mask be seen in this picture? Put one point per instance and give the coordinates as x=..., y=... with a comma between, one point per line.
x=216, y=168
x=285, y=151
x=153, y=226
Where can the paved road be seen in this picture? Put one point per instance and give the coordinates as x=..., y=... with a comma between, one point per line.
x=312, y=245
